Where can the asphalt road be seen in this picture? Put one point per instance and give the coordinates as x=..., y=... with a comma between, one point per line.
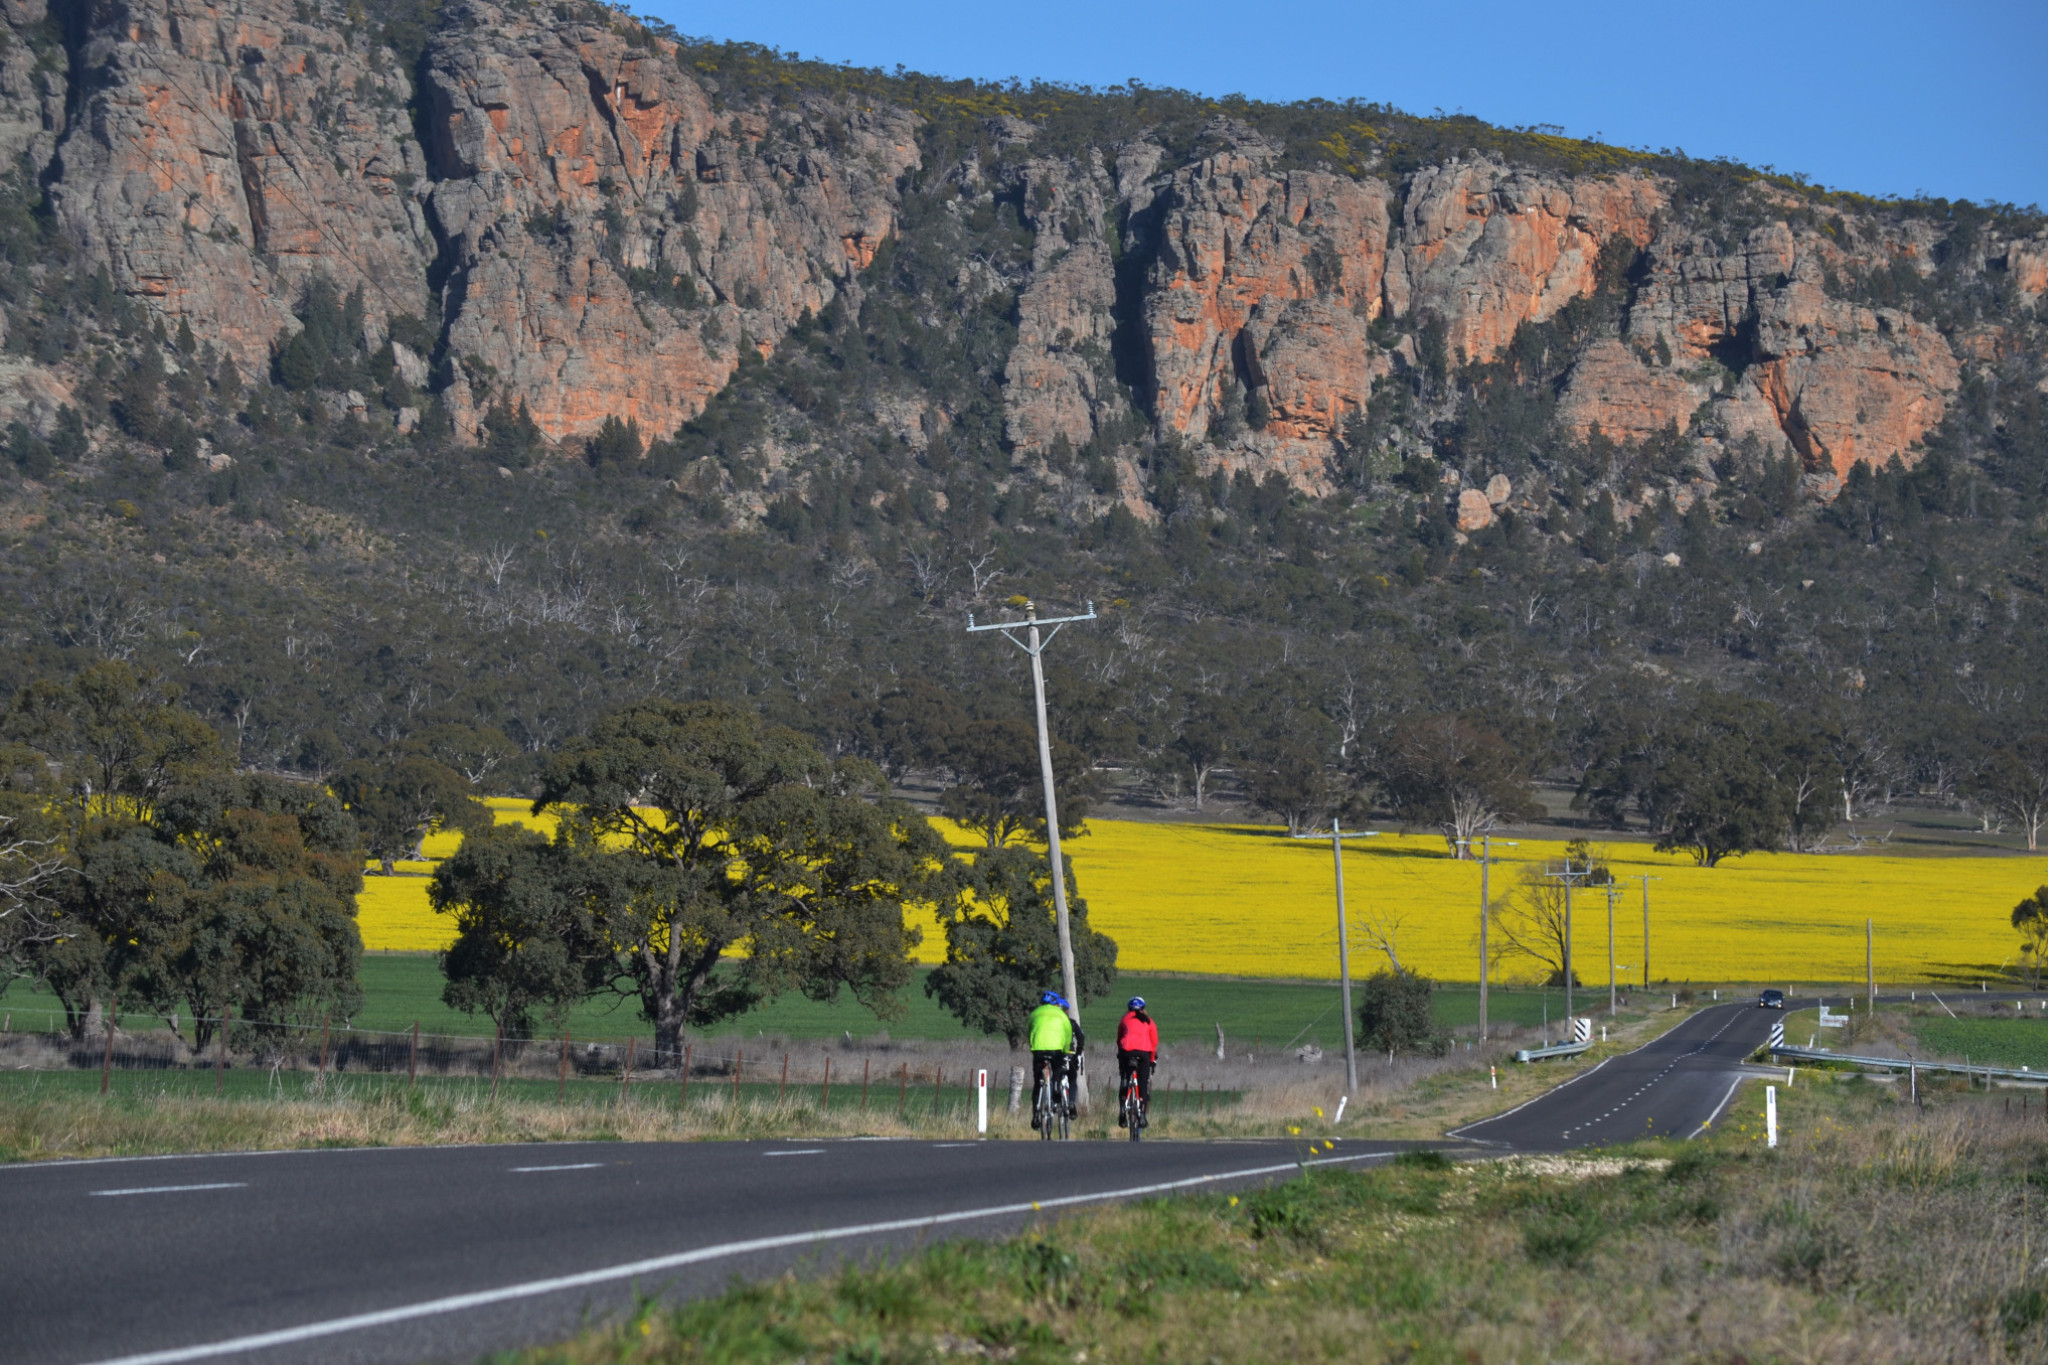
x=1669, y=1087
x=371, y=1256
x=410, y=1254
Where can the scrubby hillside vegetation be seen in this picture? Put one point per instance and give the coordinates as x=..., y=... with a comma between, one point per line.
x=451, y=374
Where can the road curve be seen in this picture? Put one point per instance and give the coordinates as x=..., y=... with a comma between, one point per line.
x=376, y=1255
x=1668, y=1087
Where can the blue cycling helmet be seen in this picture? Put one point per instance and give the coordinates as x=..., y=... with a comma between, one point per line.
x=1137, y=1002
x=1051, y=998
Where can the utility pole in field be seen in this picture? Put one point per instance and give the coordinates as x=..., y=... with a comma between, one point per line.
x=1870, y=964
x=1613, y=892
x=1567, y=877
x=1646, y=880
x=1337, y=838
x=1485, y=914
x=1033, y=645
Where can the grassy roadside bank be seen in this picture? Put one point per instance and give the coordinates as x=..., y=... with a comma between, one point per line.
x=47, y=1116
x=51, y=1114
x=1873, y=1234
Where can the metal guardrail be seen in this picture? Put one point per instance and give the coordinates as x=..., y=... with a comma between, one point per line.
x=1821, y=1054
x=1537, y=1054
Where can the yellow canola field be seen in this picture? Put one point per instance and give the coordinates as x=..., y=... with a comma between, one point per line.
x=1248, y=901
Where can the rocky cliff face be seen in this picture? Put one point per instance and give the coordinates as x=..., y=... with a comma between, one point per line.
x=585, y=223
x=1838, y=382
x=33, y=84
x=223, y=156
x=608, y=244
x=1488, y=248
x=1259, y=304
x=615, y=241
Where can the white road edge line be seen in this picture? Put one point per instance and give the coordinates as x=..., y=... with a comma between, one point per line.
x=1480, y=1123
x=1709, y=1120
x=1562, y=1085
x=170, y=1189
x=573, y=1166
x=455, y=1303
x=798, y=1151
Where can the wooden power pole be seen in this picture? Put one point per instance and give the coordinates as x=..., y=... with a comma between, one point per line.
x=1033, y=645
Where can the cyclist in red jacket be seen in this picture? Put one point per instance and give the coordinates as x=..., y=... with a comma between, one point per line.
x=1137, y=1050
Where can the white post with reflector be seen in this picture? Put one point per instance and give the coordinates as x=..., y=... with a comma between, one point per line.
x=1770, y=1116
x=981, y=1101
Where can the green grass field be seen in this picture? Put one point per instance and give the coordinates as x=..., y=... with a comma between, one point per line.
x=1994, y=1042
x=403, y=988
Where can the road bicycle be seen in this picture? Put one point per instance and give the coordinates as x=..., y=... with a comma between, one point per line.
x=1134, y=1105
x=1049, y=1106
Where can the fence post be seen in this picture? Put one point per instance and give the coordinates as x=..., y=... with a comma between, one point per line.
x=562, y=1073
x=626, y=1078
x=412, y=1059
x=865, y=1063
x=220, y=1057
x=739, y=1059
x=323, y=1052
x=683, y=1091
x=938, y=1075
x=107, y=1065
x=783, y=1089
x=497, y=1039
x=903, y=1091
x=825, y=1095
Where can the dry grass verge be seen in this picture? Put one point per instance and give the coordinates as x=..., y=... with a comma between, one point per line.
x=49, y=1114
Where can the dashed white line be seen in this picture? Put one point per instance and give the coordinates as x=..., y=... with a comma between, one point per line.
x=1668, y=1069
x=172, y=1189
x=572, y=1166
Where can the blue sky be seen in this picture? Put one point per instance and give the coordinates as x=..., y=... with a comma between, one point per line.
x=1877, y=96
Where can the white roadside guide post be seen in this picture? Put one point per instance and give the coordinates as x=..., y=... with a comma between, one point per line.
x=1035, y=647
x=1337, y=837
x=981, y=1102
x=1770, y=1116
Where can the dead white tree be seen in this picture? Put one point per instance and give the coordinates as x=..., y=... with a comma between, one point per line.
x=27, y=866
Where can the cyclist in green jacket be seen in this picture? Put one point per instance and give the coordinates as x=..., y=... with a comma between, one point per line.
x=1056, y=1040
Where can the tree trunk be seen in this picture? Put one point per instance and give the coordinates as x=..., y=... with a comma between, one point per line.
x=669, y=1014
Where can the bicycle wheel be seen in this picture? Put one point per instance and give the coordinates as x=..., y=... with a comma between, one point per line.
x=1134, y=1111
x=1064, y=1104
x=1042, y=1105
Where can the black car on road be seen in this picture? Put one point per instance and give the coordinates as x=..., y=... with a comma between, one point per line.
x=1771, y=1000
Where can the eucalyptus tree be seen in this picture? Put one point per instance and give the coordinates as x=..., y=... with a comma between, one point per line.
x=702, y=834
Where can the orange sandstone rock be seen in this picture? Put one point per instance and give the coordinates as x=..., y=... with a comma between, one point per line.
x=1244, y=245
x=1629, y=400
x=617, y=156
x=1488, y=248
x=226, y=156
